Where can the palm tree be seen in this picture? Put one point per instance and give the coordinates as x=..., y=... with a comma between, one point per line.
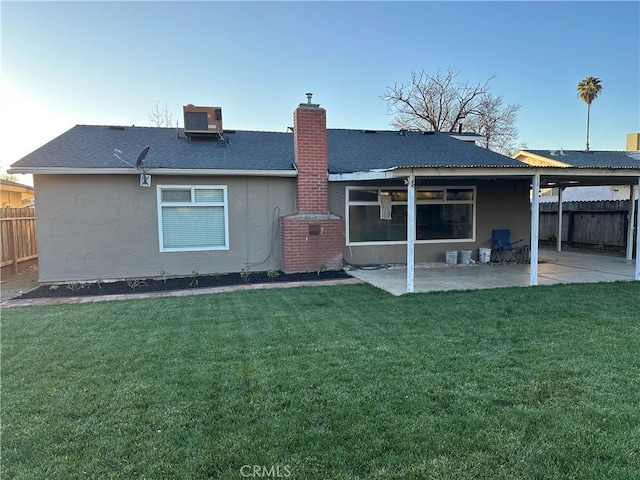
x=588, y=90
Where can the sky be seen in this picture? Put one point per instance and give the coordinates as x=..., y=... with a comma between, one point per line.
x=110, y=63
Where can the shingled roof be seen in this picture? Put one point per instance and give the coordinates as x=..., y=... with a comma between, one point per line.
x=361, y=151
x=93, y=147
x=96, y=147
x=592, y=159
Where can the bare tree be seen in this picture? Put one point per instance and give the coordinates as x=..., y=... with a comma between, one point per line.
x=433, y=102
x=496, y=123
x=10, y=177
x=441, y=102
x=160, y=116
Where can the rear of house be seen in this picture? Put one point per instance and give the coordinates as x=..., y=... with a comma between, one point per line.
x=228, y=200
x=462, y=193
x=451, y=214
x=108, y=227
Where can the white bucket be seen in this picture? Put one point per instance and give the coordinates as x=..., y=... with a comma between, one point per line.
x=452, y=257
x=484, y=255
x=465, y=257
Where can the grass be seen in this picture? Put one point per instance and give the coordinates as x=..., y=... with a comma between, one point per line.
x=341, y=382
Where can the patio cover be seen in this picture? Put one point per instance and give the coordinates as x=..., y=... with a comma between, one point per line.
x=540, y=176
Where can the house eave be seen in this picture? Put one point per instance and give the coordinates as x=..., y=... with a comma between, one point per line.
x=154, y=171
x=589, y=172
x=536, y=160
x=526, y=171
x=469, y=137
x=401, y=172
x=464, y=171
x=361, y=176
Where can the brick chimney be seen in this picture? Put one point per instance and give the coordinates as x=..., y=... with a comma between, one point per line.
x=311, y=236
x=310, y=148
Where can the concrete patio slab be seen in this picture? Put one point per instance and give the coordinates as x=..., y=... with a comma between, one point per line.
x=553, y=268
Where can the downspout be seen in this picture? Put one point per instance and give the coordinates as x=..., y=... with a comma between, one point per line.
x=411, y=231
x=535, y=225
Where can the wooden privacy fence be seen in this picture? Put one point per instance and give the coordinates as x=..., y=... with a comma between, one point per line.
x=18, y=235
x=598, y=223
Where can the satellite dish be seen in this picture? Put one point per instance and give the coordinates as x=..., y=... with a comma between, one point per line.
x=141, y=157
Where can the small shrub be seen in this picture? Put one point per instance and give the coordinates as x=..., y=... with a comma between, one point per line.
x=75, y=286
x=245, y=274
x=321, y=268
x=99, y=282
x=194, y=279
x=134, y=284
x=54, y=287
x=273, y=274
x=164, y=276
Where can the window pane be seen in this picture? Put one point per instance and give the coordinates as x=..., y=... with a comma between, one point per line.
x=176, y=195
x=399, y=196
x=434, y=195
x=209, y=195
x=459, y=194
x=444, y=221
x=365, y=224
x=363, y=195
x=193, y=227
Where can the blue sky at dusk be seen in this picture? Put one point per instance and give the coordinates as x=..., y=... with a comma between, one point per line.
x=67, y=63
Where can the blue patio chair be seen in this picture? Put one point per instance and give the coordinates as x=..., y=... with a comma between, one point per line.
x=503, y=246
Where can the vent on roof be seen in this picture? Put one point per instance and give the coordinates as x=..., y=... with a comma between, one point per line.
x=115, y=127
x=369, y=131
x=202, y=120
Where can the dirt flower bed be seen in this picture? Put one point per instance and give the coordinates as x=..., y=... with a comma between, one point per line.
x=98, y=287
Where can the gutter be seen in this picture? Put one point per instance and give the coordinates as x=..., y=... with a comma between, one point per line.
x=210, y=172
x=480, y=172
x=368, y=175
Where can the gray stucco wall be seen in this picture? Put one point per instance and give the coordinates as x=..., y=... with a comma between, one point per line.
x=499, y=204
x=106, y=226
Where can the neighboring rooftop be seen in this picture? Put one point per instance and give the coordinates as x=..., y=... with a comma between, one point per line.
x=15, y=185
x=591, y=159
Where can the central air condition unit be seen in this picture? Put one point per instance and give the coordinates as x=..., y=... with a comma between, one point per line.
x=202, y=120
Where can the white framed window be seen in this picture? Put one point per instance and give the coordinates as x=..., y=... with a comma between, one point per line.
x=378, y=215
x=193, y=217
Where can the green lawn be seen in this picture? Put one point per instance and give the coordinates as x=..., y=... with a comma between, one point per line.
x=343, y=382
